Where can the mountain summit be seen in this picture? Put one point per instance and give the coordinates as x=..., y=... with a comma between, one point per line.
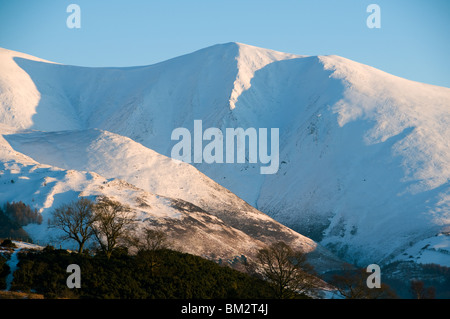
x=364, y=155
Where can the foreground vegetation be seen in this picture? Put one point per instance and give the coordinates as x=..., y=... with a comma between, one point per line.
x=4, y=271
x=155, y=271
x=19, y=295
x=152, y=270
x=161, y=274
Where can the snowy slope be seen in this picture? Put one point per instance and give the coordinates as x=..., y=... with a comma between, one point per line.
x=218, y=225
x=114, y=156
x=364, y=155
x=379, y=154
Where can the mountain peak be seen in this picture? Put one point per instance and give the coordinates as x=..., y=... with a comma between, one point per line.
x=375, y=146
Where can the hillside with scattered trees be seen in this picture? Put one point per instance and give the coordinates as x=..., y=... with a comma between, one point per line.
x=15, y=215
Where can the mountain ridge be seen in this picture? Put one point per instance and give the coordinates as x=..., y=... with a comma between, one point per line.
x=373, y=144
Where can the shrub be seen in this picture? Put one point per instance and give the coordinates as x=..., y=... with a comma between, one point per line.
x=8, y=243
x=4, y=271
x=125, y=276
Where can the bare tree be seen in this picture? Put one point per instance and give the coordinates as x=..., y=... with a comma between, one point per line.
x=352, y=284
x=149, y=239
x=419, y=290
x=286, y=270
x=147, y=243
x=75, y=220
x=112, y=224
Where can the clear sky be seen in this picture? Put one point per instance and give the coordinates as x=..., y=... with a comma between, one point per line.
x=413, y=41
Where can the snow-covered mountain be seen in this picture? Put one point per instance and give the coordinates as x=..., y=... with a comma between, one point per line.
x=215, y=223
x=364, y=155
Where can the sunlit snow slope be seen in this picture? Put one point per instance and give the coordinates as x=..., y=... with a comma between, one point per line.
x=364, y=155
x=198, y=215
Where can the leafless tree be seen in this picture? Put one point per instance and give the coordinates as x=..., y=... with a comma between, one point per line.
x=148, y=242
x=149, y=239
x=419, y=290
x=286, y=270
x=112, y=225
x=352, y=284
x=75, y=220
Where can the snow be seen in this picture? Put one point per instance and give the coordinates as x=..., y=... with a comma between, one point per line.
x=433, y=250
x=12, y=263
x=104, y=153
x=72, y=166
x=364, y=155
x=13, y=260
x=26, y=246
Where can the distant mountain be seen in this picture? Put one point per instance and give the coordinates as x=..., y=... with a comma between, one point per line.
x=364, y=155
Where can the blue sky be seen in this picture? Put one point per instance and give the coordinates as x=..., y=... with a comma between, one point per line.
x=413, y=41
